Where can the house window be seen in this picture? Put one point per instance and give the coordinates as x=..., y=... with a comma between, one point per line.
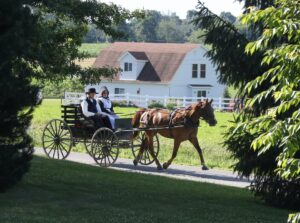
x=128, y=67
x=201, y=94
x=203, y=70
x=195, y=71
x=119, y=91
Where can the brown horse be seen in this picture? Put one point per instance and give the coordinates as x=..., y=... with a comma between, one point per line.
x=187, y=120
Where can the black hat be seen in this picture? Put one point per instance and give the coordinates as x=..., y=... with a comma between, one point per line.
x=91, y=90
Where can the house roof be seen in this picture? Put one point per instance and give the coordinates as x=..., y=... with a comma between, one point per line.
x=163, y=58
x=138, y=55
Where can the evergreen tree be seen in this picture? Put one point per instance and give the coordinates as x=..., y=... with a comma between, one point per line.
x=39, y=39
x=228, y=17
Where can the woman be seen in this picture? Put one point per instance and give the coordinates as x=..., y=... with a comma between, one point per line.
x=106, y=105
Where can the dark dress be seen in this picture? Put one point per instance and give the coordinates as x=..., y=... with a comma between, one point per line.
x=100, y=121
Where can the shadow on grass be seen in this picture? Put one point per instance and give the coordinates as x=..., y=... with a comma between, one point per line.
x=63, y=191
x=191, y=173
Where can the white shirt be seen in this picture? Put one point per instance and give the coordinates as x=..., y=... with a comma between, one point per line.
x=106, y=103
x=84, y=106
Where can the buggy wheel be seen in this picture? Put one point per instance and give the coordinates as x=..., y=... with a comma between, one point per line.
x=104, y=147
x=88, y=144
x=57, y=139
x=145, y=158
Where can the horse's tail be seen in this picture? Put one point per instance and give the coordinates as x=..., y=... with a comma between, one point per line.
x=135, y=122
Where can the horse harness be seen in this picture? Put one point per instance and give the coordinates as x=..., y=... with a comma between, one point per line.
x=187, y=121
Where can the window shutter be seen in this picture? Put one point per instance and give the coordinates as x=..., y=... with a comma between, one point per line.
x=203, y=70
x=195, y=71
x=130, y=67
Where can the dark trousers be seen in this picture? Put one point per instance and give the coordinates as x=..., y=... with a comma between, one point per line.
x=101, y=121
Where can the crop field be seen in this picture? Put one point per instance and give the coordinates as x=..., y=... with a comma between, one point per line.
x=92, y=49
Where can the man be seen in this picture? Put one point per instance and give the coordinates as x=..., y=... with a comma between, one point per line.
x=92, y=110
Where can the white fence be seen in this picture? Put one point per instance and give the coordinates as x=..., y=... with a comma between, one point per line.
x=146, y=100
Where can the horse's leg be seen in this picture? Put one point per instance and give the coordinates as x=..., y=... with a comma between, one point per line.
x=140, y=153
x=151, y=150
x=195, y=143
x=174, y=154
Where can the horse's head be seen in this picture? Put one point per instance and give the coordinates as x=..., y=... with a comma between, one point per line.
x=203, y=109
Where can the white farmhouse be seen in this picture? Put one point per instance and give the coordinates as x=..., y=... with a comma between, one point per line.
x=160, y=69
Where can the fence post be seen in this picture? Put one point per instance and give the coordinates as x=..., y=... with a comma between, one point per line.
x=63, y=97
x=220, y=103
x=146, y=100
x=165, y=101
x=183, y=102
x=127, y=99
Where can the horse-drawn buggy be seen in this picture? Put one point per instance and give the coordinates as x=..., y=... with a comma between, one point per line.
x=139, y=133
x=103, y=144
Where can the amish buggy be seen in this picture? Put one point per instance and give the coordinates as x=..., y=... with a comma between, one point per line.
x=103, y=144
x=139, y=133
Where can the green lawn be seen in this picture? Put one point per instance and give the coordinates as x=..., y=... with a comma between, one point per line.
x=62, y=191
x=93, y=49
x=210, y=138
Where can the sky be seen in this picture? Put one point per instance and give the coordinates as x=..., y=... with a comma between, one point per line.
x=180, y=7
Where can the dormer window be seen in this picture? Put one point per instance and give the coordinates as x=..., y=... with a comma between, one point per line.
x=132, y=64
x=127, y=67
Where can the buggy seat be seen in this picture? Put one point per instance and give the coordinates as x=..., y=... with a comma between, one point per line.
x=72, y=115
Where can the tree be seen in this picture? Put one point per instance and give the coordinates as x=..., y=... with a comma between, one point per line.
x=94, y=35
x=39, y=39
x=152, y=27
x=190, y=15
x=227, y=16
x=170, y=29
x=260, y=4
x=280, y=126
x=145, y=28
x=237, y=69
x=197, y=36
x=226, y=93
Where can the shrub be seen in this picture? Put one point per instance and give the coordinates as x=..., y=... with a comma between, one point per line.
x=124, y=104
x=226, y=93
x=155, y=104
x=171, y=106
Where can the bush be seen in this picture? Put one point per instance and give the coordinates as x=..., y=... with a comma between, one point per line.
x=171, y=106
x=226, y=93
x=124, y=104
x=155, y=104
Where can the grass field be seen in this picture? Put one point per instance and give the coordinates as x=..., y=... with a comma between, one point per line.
x=62, y=191
x=93, y=49
x=210, y=138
